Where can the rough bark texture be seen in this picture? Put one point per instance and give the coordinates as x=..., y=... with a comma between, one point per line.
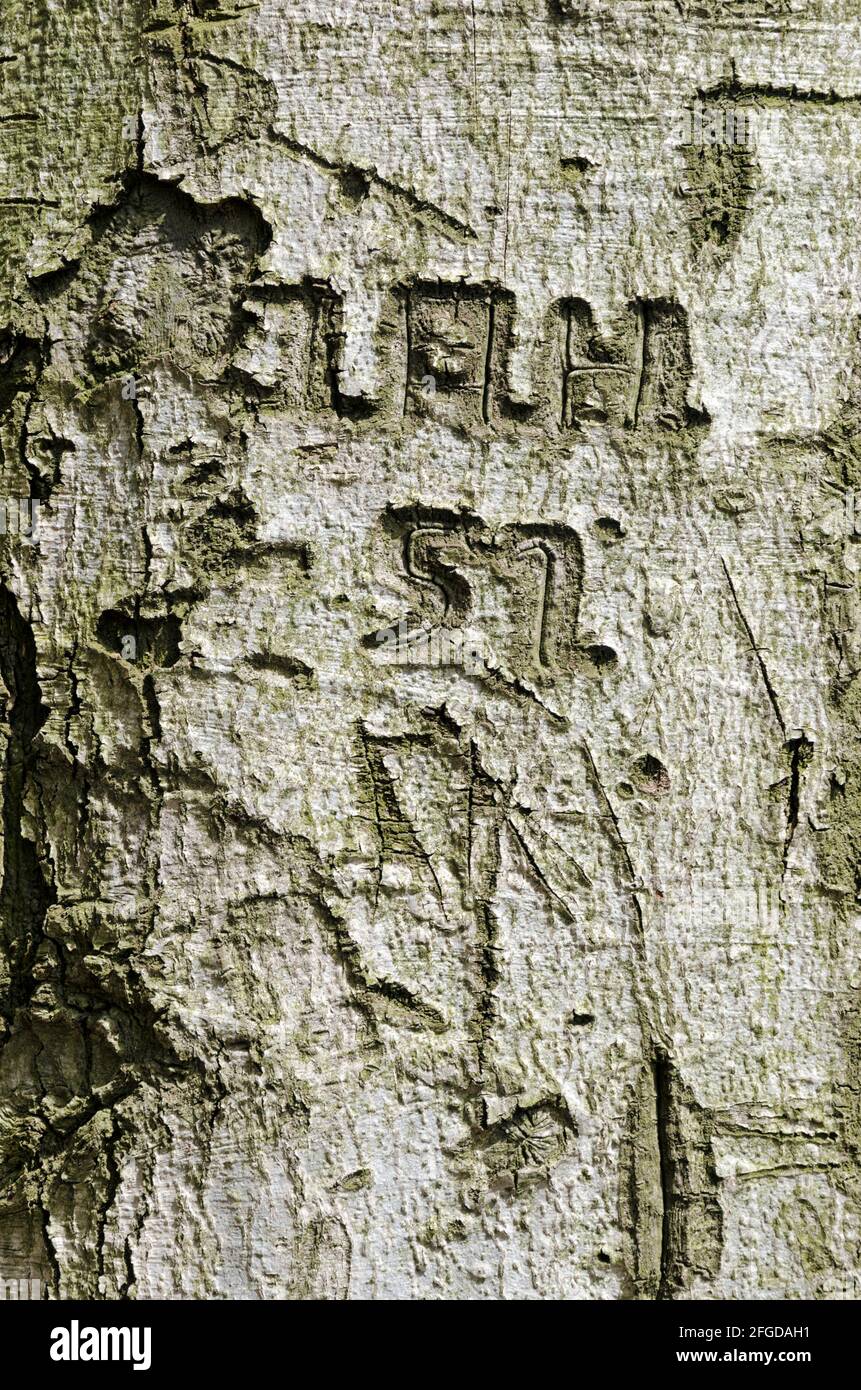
x=518, y=959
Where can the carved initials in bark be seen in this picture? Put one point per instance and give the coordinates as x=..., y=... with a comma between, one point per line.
x=518, y=587
x=455, y=335
x=638, y=376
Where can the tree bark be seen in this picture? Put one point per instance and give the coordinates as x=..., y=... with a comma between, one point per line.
x=429, y=621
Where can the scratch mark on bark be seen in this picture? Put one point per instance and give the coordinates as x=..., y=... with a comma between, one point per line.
x=370, y=174
x=474, y=63
x=634, y=885
x=660, y=1071
x=642, y=336
x=507, y=195
x=772, y=694
x=536, y=868
x=488, y=363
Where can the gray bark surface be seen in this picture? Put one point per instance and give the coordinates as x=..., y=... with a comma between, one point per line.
x=429, y=620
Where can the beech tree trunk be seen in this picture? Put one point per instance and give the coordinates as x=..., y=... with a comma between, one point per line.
x=430, y=641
